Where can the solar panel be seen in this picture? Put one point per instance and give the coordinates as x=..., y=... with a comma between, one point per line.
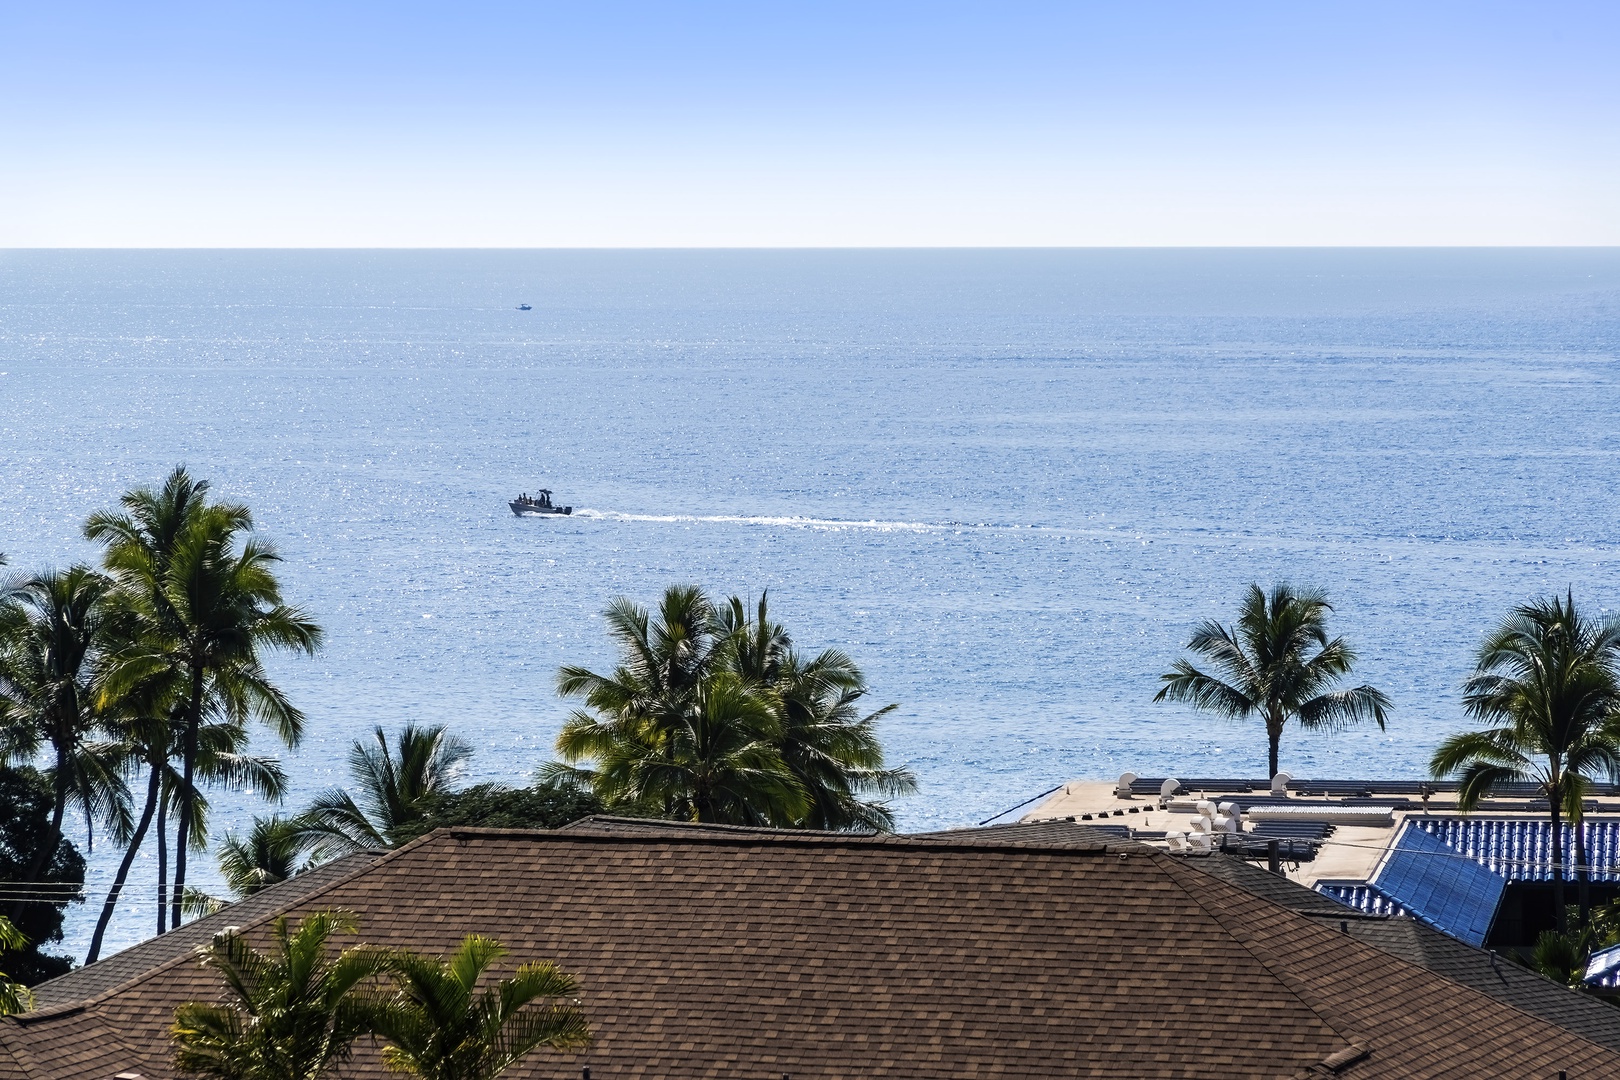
x=1521, y=849
x=1360, y=896
x=1440, y=885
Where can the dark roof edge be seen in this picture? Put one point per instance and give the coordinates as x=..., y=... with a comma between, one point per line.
x=582, y=825
x=797, y=838
x=259, y=920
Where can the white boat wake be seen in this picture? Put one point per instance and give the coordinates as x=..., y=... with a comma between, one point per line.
x=791, y=522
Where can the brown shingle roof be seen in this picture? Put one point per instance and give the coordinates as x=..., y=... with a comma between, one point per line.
x=121, y=967
x=1407, y=938
x=710, y=954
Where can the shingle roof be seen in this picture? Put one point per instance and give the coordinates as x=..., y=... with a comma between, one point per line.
x=1274, y=887
x=1366, y=917
x=120, y=967
x=1061, y=833
x=708, y=954
x=1497, y=976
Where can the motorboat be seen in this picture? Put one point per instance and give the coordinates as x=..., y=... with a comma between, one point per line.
x=540, y=502
x=525, y=307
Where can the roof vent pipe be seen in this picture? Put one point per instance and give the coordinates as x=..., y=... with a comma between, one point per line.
x=585, y=1073
x=1344, y=928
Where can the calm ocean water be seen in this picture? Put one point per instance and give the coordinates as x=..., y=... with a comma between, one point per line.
x=1007, y=482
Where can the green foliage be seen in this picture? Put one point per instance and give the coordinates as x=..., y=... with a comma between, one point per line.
x=491, y=806
x=53, y=636
x=1561, y=957
x=271, y=852
x=1546, y=687
x=711, y=716
x=14, y=996
x=1278, y=663
x=199, y=606
x=440, y=1026
x=394, y=784
x=25, y=812
x=293, y=1012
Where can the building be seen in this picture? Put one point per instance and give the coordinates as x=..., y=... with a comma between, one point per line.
x=1379, y=846
x=710, y=952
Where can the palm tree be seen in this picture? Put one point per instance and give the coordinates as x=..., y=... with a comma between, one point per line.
x=717, y=762
x=660, y=669
x=271, y=852
x=441, y=1027
x=52, y=635
x=296, y=1010
x=1278, y=662
x=831, y=750
x=206, y=612
x=1546, y=684
x=710, y=715
x=670, y=731
x=394, y=785
x=14, y=996
x=154, y=743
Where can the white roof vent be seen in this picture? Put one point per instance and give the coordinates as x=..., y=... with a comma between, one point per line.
x=1280, y=782
x=1123, y=788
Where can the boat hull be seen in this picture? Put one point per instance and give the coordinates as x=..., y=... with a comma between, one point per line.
x=523, y=509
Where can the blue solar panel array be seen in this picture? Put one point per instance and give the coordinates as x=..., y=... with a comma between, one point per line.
x=1362, y=897
x=1522, y=850
x=1440, y=884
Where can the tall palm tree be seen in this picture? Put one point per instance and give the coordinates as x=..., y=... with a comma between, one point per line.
x=829, y=747
x=1546, y=685
x=394, y=784
x=52, y=635
x=154, y=743
x=1276, y=662
x=207, y=610
x=442, y=1027
x=661, y=666
x=295, y=1011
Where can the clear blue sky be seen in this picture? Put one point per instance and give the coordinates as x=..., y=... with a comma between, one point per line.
x=586, y=124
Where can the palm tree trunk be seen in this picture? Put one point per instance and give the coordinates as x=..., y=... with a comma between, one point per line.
x=163, y=863
x=1274, y=727
x=1558, y=856
x=187, y=794
x=1583, y=873
x=153, y=788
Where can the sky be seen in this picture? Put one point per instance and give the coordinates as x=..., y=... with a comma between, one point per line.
x=604, y=124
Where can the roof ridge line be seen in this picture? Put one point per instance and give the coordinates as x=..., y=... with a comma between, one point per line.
x=798, y=838
x=721, y=827
x=1243, y=942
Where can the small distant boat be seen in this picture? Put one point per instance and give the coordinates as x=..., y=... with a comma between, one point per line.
x=525, y=307
x=539, y=503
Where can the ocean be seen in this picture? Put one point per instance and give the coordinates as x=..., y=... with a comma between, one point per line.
x=1008, y=483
